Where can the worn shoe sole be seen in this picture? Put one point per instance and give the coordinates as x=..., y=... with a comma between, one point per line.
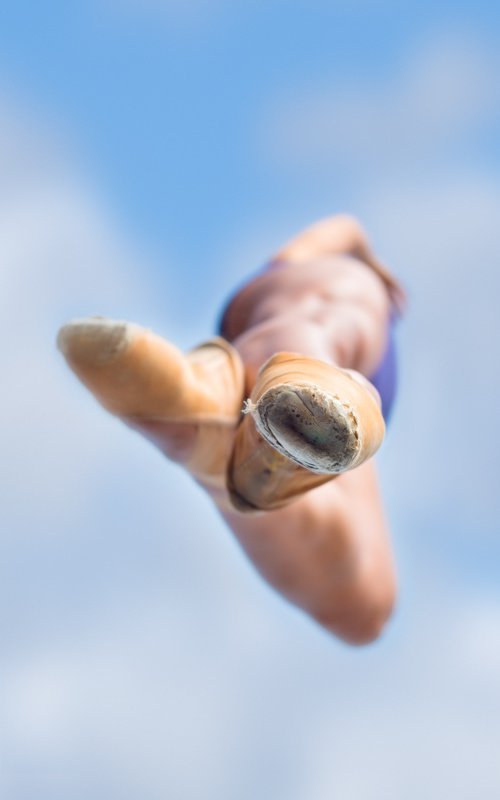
x=321, y=417
x=306, y=422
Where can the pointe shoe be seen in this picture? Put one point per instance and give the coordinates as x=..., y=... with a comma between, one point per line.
x=188, y=405
x=307, y=422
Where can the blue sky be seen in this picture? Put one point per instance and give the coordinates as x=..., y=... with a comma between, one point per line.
x=152, y=154
x=166, y=100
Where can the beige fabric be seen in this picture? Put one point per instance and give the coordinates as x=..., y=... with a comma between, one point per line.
x=188, y=405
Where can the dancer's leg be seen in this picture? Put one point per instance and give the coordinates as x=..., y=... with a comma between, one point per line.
x=329, y=551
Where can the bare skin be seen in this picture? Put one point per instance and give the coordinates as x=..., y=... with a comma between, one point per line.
x=329, y=551
x=323, y=296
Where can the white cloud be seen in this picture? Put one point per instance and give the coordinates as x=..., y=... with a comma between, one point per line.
x=144, y=658
x=59, y=258
x=446, y=90
x=439, y=233
x=116, y=676
x=179, y=712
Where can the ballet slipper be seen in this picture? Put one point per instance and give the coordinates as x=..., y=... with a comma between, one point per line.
x=188, y=404
x=306, y=422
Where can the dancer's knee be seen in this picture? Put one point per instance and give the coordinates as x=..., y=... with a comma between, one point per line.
x=364, y=622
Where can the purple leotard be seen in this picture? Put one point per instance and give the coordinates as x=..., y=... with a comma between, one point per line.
x=385, y=376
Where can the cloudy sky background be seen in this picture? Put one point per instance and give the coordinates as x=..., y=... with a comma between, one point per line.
x=152, y=154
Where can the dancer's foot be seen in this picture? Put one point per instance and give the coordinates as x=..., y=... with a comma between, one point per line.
x=308, y=421
x=189, y=405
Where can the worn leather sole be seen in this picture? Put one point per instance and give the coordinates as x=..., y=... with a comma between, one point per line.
x=307, y=421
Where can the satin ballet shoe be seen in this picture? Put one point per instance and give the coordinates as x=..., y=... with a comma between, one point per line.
x=187, y=404
x=306, y=422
